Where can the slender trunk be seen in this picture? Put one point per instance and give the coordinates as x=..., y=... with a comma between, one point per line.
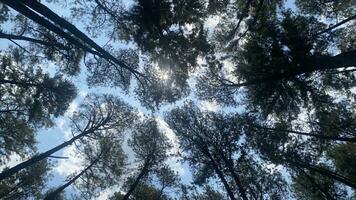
x=160, y=193
x=18, y=6
x=45, y=11
x=11, y=171
x=219, y=173
x=325, y=137
x=324, y=172
x=205, y=150
x=137, y=180
x=320, y=63
x=336, y=25
x=242, y=16
x=234, y=175
x=312, y=180
x=53, y=194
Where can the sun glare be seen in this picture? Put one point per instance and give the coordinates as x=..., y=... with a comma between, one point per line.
x=163, y=75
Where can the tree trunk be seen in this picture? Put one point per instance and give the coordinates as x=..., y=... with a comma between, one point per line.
x=324, y=172
x=312, y=180
x=234, y=175
x=336, y=25
x=53, y=194
x=11, y=171
x=18, y=6
x=45, y=11
x=315, y=63
x=143, y=173
x=219, y=173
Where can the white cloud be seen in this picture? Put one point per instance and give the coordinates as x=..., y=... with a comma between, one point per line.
x=211, y=106
x=72, y=108
x=211, y=22
x=175, y=164
x=173, y=161
x=169, y=134
x=71, y=165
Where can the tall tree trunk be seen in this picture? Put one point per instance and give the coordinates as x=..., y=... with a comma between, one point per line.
x=11, y=171
x=315, y=63
x=45, y=11
x=312, y=180
x=53, y=194
x=336, y=25
x=219, y=173
x=143, y=173
x=344, y=59
x=18, y=6
x=322, y=171
x=325, y=137
x=236, y=178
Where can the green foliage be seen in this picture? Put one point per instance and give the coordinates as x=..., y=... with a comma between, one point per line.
x=30, y=94
x=331, y=9
x=107, y=170
x=291, y=72
x=26, y=184
x=149, y=144
x=344, y=156
x=16, y=137
x=313, y=186
x=104, y=73
x=143, y=191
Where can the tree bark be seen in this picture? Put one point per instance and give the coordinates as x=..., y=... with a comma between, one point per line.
x=219, y=173
x=11, y=171
x=336, y=25
x=314, y=63
x=137, y=180
x=324, y=172
x=312, y=180
x=53, y=194
x=48, y=13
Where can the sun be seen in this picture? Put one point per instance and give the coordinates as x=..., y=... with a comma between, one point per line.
x=163, y=75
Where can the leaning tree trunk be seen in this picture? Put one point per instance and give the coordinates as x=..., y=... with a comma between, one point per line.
x=143, y=173
x=336, y=25
x=55, y=193
x=11, y=171
x=312, y=180
x=219, y=173
x=48, y=13
x=313, y=63
x=234, y=175
x=322, y=171
x=18, y=6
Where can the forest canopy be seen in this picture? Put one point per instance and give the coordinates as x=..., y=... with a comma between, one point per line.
x=178, y=99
